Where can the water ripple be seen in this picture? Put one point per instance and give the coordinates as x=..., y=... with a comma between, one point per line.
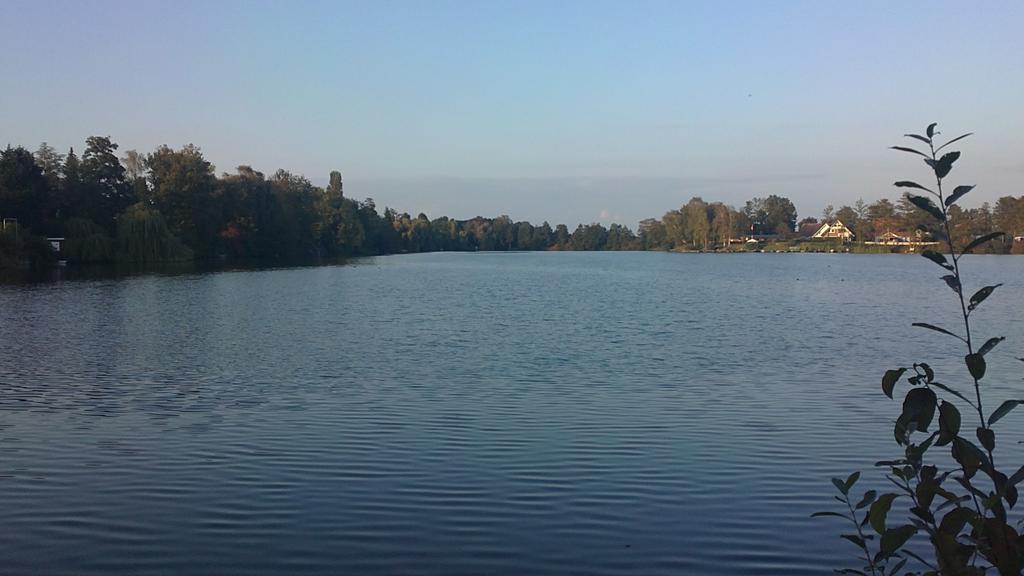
x=598, y=414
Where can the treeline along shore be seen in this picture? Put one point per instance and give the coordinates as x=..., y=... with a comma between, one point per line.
x=170, y=205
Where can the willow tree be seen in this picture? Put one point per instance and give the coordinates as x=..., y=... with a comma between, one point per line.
x=143, y=236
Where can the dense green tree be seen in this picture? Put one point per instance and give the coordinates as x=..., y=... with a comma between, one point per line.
x=333, y=228
x=71, y=197
x=336, y=186
x=696, y=223
x=135, y=173
x=589, y=237
x=828, y=214
x=561, y=236
x=675, y=228
x=543, y=236
x=863, y=228
x=104, y=186
x=182, y=186
x=653, y=235
x=51, y=163
x=381, y=236
x=621, y=238
x=722, y=223
x=292, y=222
x=523, y=236
x=1008, y=215
x=884, y=218
x=245, y=202
x=771, y=215
x=503, y=233
x=781, y=214
x=23, y=190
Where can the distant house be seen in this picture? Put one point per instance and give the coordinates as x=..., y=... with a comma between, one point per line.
x=892, y=238
x=834, y=230
x=911, y=242
x=807, y=229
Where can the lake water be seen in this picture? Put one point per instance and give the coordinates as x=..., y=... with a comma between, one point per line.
x=501, y=413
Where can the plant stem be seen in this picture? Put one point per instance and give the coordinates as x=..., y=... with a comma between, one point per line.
x=860, y=533
x=959, y=292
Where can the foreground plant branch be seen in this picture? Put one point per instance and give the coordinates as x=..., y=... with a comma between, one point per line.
x=961, y=512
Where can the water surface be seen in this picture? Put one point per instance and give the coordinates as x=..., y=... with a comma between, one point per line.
x=503, y=413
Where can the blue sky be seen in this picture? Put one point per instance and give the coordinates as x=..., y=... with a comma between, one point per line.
x=561, y=111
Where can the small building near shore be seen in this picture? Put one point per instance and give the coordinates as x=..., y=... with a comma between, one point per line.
x=834, y=230
x=892, y=238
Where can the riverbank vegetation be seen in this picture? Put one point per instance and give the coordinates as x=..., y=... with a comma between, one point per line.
x=170, y=205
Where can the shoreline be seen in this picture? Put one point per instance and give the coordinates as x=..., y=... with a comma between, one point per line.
x=85, y=272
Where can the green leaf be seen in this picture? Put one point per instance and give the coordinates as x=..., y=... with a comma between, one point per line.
x=955, y=501
x=938, y=259
x=919, y=137
x=889, y=380
x=909, y=184
x=961, y=137
x=879, y=510
x=919, y=408
x=891, y=463
x=894, y=539
x=1017, y=476
x=1009, y=492
x=981, y=295
x=929, y=374
x=900, y=431
x=990, y=344
x=951, y=391
x=987, y=438
x=1002, y=540
x=911, y=150
x=868, y=498
x=899, y=566
x=935, y=328
x=949, y=423
x=943, y=165
x=975, y=365
x=969, y=456
x=927, y=205
x=953, y=282
x=857, y=540
x=1004, y=409
x=840, y=485
x=955, y=520
x=930, y=131
x=926, y=491
x=958, y=192
x=836, y=514
x=851, y=480
x=981, y=240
